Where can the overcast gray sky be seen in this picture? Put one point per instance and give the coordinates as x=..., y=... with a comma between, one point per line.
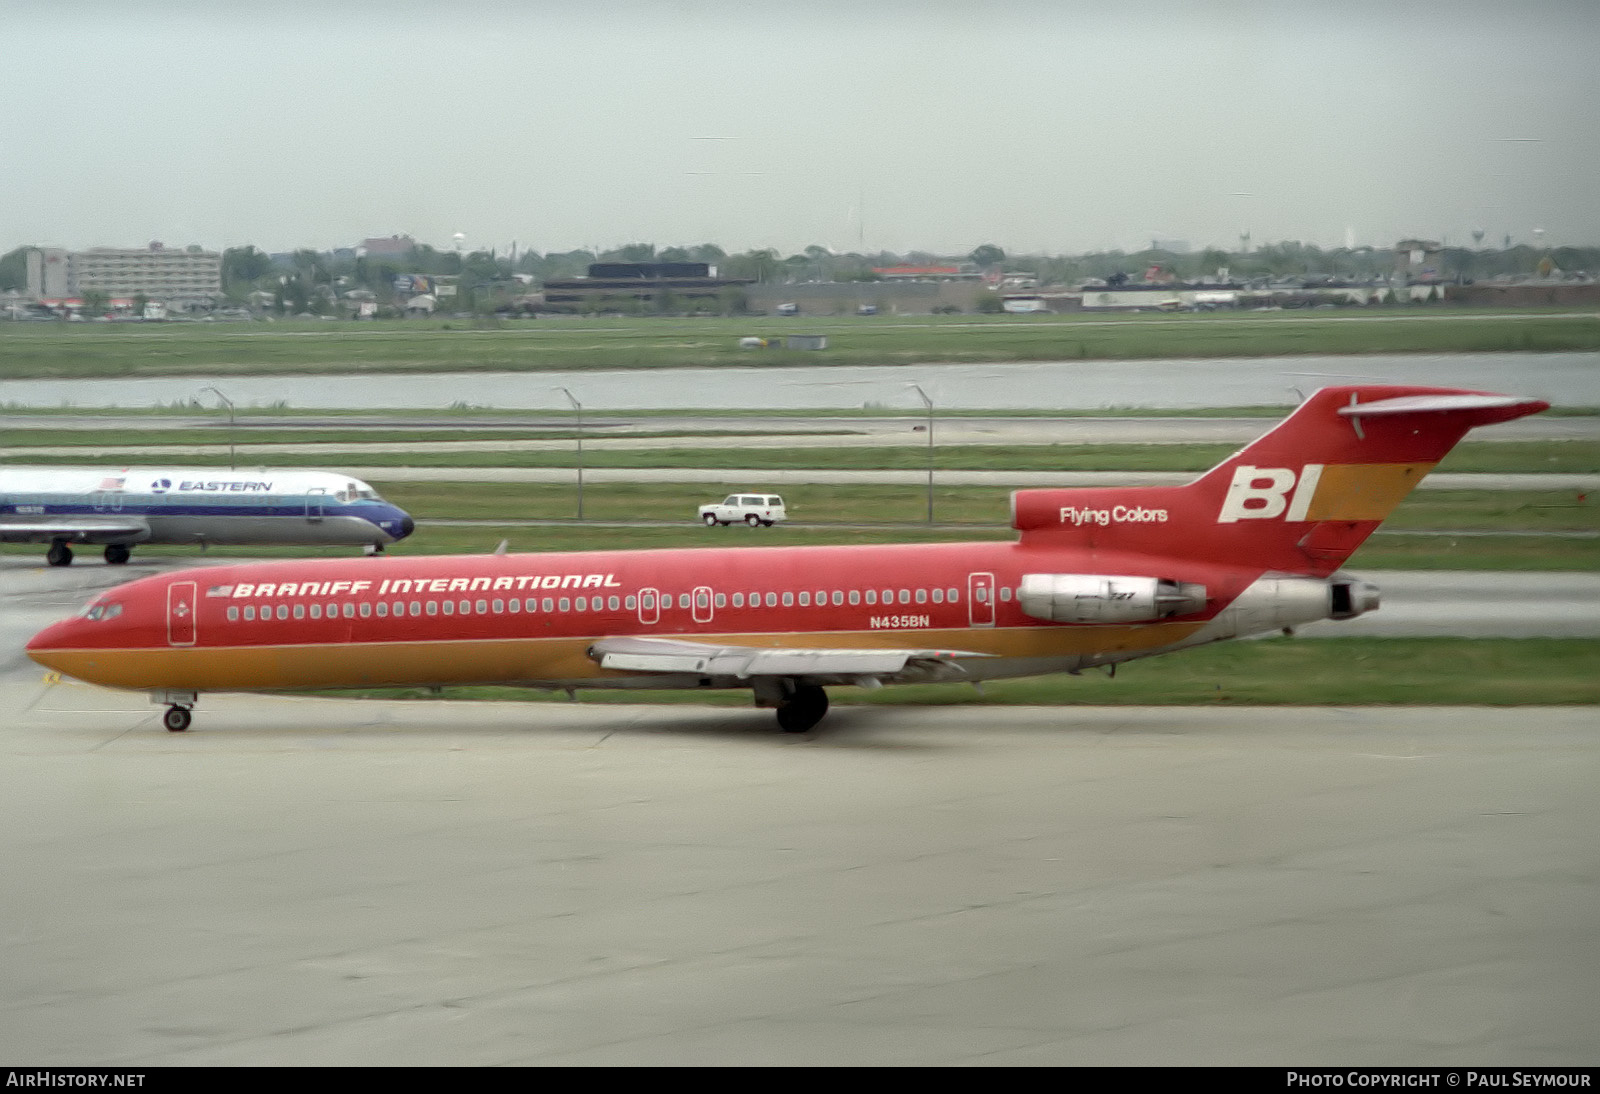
x=1042, y=127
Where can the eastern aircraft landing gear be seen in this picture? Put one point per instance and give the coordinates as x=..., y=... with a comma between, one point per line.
x=59, y=554
x=117, y=554
x=802, y=709
x=176, y=719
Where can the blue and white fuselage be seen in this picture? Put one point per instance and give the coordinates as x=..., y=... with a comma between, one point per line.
x=120, y=508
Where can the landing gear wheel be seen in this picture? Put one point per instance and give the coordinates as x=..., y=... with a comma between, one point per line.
x=176, y=719
x=117, y=554
x=803, y=710
x=59, y=554
x=711, y=520
x=752, y=520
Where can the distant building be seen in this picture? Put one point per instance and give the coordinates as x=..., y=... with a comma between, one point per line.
x=184, y=278
x=379, y=247
x=1417, y=259
x=47, y=273
x=610, y=283
x=928, y=273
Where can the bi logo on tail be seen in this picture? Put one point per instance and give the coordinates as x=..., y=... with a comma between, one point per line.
x=1261, y=493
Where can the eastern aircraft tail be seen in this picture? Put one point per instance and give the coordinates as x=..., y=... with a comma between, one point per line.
x=1299, y=499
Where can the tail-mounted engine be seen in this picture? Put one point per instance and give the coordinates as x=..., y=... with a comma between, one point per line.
x=1094, y=598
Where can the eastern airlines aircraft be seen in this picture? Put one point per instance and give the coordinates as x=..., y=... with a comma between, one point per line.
x=62, y=506
x=1097, y=576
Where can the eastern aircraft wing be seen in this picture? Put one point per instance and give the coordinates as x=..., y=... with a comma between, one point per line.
x=77, y=531
x=852, y=666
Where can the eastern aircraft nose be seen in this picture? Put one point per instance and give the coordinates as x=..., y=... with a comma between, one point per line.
x=407, y=526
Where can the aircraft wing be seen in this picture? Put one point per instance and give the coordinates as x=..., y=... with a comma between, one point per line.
x=845, y=666
x=80, y=531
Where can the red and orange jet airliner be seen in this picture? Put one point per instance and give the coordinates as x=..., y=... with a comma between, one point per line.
x=1097, y=576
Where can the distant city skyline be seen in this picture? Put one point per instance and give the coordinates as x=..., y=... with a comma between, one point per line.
x=937, y=126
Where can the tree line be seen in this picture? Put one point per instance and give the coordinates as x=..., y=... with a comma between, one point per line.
x=307, y=280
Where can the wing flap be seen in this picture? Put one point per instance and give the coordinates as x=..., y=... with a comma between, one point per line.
x=668, y=655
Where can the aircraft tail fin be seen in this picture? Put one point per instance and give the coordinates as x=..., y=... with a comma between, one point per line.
x=1299, y=499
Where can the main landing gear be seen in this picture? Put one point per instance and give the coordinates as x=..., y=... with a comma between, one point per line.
x=176, y=719
x=802, y=709
x=60, y=554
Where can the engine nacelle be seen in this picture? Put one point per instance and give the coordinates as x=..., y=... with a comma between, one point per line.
x=1097, y=598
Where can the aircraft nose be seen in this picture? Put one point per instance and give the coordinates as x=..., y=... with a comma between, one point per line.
x=42, y=646
x=407, y=526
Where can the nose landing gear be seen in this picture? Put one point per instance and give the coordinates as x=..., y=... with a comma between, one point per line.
x=180, y=706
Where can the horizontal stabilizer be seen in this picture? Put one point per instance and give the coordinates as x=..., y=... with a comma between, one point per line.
x=1425, y=404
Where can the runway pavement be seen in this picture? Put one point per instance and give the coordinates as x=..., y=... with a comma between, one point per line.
x=327, y=881
x=308, y=881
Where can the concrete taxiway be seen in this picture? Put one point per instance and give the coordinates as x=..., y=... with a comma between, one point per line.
x=326, y=881
x=311, y=881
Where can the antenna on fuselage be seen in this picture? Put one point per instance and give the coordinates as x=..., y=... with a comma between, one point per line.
x=500, y=550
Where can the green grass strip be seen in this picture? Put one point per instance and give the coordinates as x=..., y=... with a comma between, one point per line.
x=1276, y=671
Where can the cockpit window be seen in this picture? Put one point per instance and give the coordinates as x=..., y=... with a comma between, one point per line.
x=358, y=491
x=99, y=611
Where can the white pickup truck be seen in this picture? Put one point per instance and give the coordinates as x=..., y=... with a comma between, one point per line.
x=763, y=510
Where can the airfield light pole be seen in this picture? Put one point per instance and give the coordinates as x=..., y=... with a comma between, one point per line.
x=579, y=408
x=927, y=402
x=231, y=461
